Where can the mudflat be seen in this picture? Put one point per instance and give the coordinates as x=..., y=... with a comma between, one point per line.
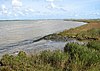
x=14, y=34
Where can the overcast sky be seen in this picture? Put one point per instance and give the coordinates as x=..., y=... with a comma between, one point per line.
x=49, y=9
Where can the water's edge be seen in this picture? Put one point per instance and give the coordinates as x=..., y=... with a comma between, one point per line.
x=33, y=45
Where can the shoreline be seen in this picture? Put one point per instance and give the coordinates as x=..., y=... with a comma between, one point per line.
x=79, y=33
x=29, y=43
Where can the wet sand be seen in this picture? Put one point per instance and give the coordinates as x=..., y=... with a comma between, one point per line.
x=19, y=35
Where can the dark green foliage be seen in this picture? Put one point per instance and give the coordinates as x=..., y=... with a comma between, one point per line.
x=94, y=44
x=74, y=58
x=83, y=57
x=56, y=59
x=46, y=61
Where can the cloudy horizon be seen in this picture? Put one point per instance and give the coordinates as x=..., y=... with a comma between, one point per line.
x=49, y=9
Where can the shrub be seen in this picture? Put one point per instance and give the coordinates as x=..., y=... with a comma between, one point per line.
x=59, y=58
x=94, y=44
x=56, y=59
x=81, y=56
x=74, y=58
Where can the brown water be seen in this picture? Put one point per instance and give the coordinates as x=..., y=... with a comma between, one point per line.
x=19, y=35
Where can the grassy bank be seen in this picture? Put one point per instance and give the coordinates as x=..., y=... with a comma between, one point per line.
x=90, y=31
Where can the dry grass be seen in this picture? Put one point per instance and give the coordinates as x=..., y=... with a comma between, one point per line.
x=88, y=31
x=90, y=25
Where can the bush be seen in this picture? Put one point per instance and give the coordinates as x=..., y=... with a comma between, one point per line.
x=74, y=58
x=94, y=44
x=81, y=56
x=6, y=68
x=56, y=59
x=46, y=61
x=59, y=58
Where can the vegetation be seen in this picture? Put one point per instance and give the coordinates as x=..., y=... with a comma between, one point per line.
x=83, y=58
x=75, y=57
x=88, y=32
x=92, y=34
x=94, y=45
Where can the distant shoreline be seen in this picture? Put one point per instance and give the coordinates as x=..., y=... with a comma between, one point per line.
x=46, y=19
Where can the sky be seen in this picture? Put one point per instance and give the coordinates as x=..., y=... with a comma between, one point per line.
x=49, y=9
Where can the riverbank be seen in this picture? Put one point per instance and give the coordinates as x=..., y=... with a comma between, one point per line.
x=27, y=36
x=87, y=32
x=15, y=31
x=72, y=57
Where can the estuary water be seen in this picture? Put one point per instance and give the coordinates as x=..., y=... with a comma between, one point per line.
x=22, y=35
